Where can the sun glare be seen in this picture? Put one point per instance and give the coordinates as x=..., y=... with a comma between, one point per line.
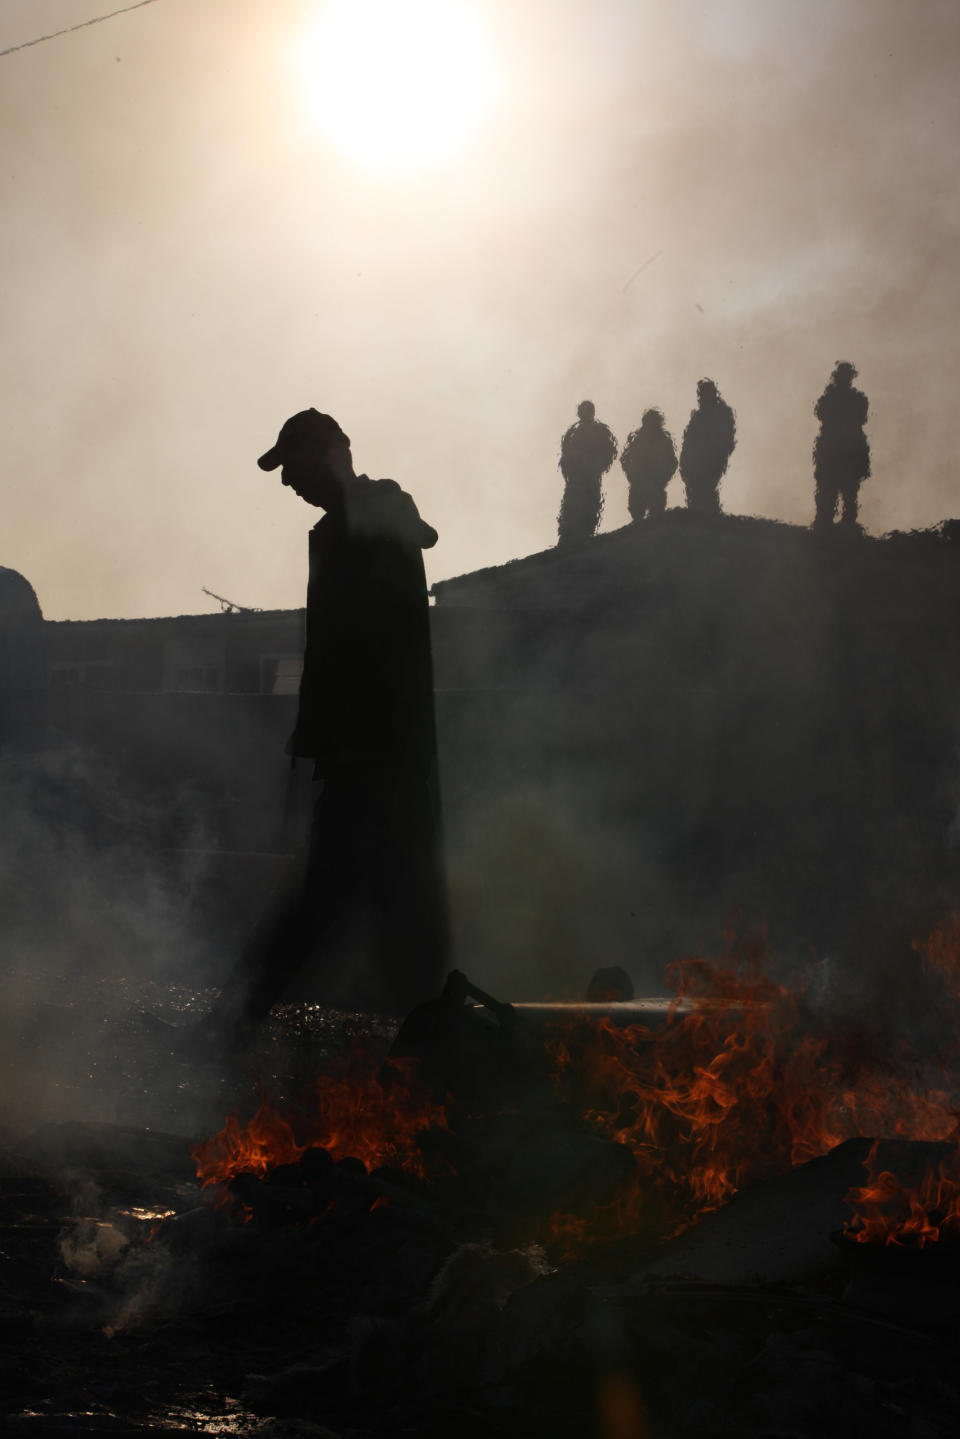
x=398, y=86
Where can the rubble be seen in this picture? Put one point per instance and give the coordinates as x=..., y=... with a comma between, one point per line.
x=330, y=1294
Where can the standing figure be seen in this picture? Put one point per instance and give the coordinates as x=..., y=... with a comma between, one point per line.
x=708, y=443
x=587, y=451
x=841, y=453
x=649, y=462
x=366, y=721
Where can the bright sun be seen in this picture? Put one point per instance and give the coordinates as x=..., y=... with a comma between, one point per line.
x=398, y=85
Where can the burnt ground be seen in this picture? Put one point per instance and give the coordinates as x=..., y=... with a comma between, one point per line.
x=129, y=1305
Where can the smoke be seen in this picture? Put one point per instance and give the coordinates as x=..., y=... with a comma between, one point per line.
x=742, y=189
x=517, y=894
x=124, y=1277
x=99, y=927
x=91, y=1244
x=188, y=267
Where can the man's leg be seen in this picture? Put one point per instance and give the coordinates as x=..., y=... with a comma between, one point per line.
x=330, y=886
x=703, y=494
x=580, y=508
x=414, y=951
x=825, y=500
x=850, y=495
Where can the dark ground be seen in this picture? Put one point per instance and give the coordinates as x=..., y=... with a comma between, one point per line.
x=407, y=1319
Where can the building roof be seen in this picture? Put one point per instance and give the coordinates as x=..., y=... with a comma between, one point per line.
x=600, y=568
x=218, y=621
x=17, y=597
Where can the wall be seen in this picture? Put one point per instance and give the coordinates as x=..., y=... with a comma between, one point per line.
x=637, y=738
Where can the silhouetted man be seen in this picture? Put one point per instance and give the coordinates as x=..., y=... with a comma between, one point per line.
x=587, y=451
x=841, y=453
x=649, y=462
x=366, y=720
x=708, y=443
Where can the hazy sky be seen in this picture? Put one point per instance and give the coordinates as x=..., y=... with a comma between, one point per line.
x=186, y=259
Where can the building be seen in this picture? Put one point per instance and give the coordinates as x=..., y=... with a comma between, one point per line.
x=23, y=661
x=638, y=737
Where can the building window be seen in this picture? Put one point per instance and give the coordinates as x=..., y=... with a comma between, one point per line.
x=198, y=679
x=280, y=674
x=62, y=675
x=194, y=666
x=92, y=674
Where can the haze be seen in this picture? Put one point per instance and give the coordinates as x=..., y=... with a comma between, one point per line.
x=747, y=189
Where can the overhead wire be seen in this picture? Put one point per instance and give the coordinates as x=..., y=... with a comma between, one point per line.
x=55, y=34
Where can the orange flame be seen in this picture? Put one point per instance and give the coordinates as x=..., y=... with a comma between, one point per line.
x=738, y=1084
x=375, y=1115
x=940, y=954
x=888, y=1213
x=735, y=1086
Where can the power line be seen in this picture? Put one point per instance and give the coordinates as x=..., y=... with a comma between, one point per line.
x=54, y=34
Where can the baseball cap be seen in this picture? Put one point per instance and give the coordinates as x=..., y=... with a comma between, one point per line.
x=306, y=427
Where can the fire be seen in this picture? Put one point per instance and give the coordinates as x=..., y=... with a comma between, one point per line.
x=886, y=1212
x=940, y=954
x=371, y=1113
x=736, y=1085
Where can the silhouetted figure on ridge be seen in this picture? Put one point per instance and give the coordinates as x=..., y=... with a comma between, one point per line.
x=841, y=453
x=587, y=451
x=708, y=443
x=649, y=462
x=366, y=721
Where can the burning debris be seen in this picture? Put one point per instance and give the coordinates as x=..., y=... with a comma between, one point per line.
x=564, y=1221
x=645, y=1128
x=370, y=1113
x=888, y=1211
x=741, y=1083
